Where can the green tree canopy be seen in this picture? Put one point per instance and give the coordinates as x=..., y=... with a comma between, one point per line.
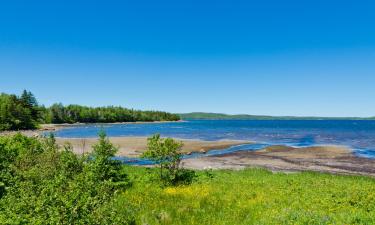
x=24, y=112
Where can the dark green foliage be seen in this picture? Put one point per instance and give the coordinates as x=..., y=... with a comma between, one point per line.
x=21, y=113
x=58, y=113
x=17, y=113
x=183, y=176
x=103, y=167
x=2, y=189
x=30, y=102
x=42, y=184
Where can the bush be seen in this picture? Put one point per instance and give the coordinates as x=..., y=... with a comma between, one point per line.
x=167, y=153
x=43, y=184
x=182, y=177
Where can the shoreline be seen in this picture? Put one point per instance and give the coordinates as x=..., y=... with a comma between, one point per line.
x=55, y=127
x=278, y=158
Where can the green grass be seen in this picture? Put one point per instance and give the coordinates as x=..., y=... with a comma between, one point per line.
x=252, y=196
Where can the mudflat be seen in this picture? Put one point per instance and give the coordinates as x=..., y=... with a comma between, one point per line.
x=329, y=159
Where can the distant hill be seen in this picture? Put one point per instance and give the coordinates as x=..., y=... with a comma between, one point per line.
x=202, y=115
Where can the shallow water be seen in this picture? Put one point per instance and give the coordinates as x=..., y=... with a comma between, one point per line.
x=244, y=147
x=356, y=134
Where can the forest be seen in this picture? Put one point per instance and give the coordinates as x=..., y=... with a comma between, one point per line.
x=24, y=112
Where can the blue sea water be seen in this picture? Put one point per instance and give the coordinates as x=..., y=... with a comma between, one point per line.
x=359, y=135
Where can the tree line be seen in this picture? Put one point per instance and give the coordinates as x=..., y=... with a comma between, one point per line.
x=24, y=112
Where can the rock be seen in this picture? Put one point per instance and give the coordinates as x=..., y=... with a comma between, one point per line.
x=203, y=150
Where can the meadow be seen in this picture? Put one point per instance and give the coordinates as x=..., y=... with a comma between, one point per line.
x=251, y=196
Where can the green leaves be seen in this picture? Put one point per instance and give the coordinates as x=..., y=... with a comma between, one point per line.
x=167, y=153
x=162, y=150
x=16, y=114
x=102, y=165
x=104, y=148
x=41, y=183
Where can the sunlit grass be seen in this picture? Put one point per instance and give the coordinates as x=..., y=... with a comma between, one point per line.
x=252, y=196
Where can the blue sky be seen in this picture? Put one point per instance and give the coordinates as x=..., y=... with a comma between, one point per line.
x=312, y=58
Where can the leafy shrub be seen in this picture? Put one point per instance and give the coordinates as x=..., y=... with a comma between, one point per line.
x=167, y=153
x=43, y=184
x=182, y=176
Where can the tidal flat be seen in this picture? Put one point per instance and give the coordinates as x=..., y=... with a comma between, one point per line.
x=327, y=159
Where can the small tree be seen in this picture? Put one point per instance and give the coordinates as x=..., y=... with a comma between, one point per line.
x=164, y=151
x=103, y=166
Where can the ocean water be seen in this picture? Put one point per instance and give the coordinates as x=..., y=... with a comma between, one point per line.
x=358, y=135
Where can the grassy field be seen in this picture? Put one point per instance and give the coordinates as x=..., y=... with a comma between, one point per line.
x=252, y=196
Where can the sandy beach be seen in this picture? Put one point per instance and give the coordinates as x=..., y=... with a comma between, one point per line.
x=134, y=146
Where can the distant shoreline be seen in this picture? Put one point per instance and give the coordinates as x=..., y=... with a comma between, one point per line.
x=222, y=116
x=62, y=125
x=55, y=127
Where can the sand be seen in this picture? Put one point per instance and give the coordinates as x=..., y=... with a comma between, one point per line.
x=134, y=146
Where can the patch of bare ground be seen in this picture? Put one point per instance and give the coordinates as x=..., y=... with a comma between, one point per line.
x=327, y=159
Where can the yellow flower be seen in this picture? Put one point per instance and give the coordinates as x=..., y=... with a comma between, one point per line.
x=198, y=191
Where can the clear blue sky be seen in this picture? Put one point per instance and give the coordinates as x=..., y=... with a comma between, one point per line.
x=267, y=57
